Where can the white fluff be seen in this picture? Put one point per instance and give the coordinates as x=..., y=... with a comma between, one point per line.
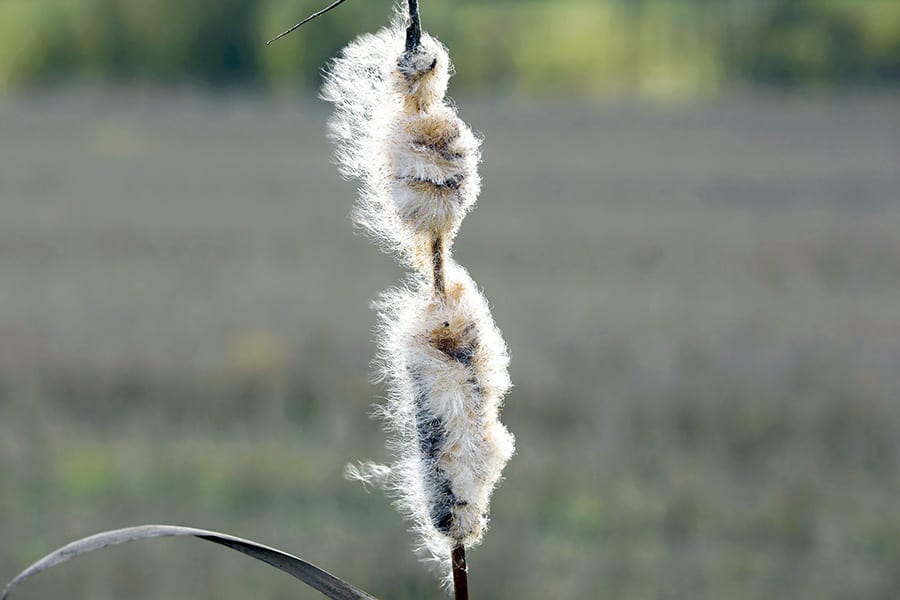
x=443, y=358
x=446, y=364
x=415, y=159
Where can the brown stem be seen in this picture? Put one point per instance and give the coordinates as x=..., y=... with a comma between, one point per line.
x=460, y=573
x=437, y=264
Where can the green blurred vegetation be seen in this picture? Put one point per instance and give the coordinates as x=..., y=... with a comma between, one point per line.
x=582, y=47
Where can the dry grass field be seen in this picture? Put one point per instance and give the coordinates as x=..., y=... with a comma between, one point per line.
x=702, y=305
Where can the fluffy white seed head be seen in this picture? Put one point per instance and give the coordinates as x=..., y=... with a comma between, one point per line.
x=443, y=358
x=416, y=161
x=446, y=365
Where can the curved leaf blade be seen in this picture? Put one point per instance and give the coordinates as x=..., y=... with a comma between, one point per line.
x=318, y=579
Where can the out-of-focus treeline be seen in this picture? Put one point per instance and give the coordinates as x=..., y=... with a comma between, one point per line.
x=582, y=47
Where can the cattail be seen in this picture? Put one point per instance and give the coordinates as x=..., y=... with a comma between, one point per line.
x=415, y=159
x=443, y=358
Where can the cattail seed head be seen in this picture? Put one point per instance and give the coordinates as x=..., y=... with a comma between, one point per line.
x=446, y=364
x=416, y=160
x=443, y=358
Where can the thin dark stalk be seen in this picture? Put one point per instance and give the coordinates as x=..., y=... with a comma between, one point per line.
x=306, y=20
x=414, y=29
x=460, y=574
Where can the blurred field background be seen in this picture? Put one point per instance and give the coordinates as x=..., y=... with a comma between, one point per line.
x=588, y=48
x=689, y=233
